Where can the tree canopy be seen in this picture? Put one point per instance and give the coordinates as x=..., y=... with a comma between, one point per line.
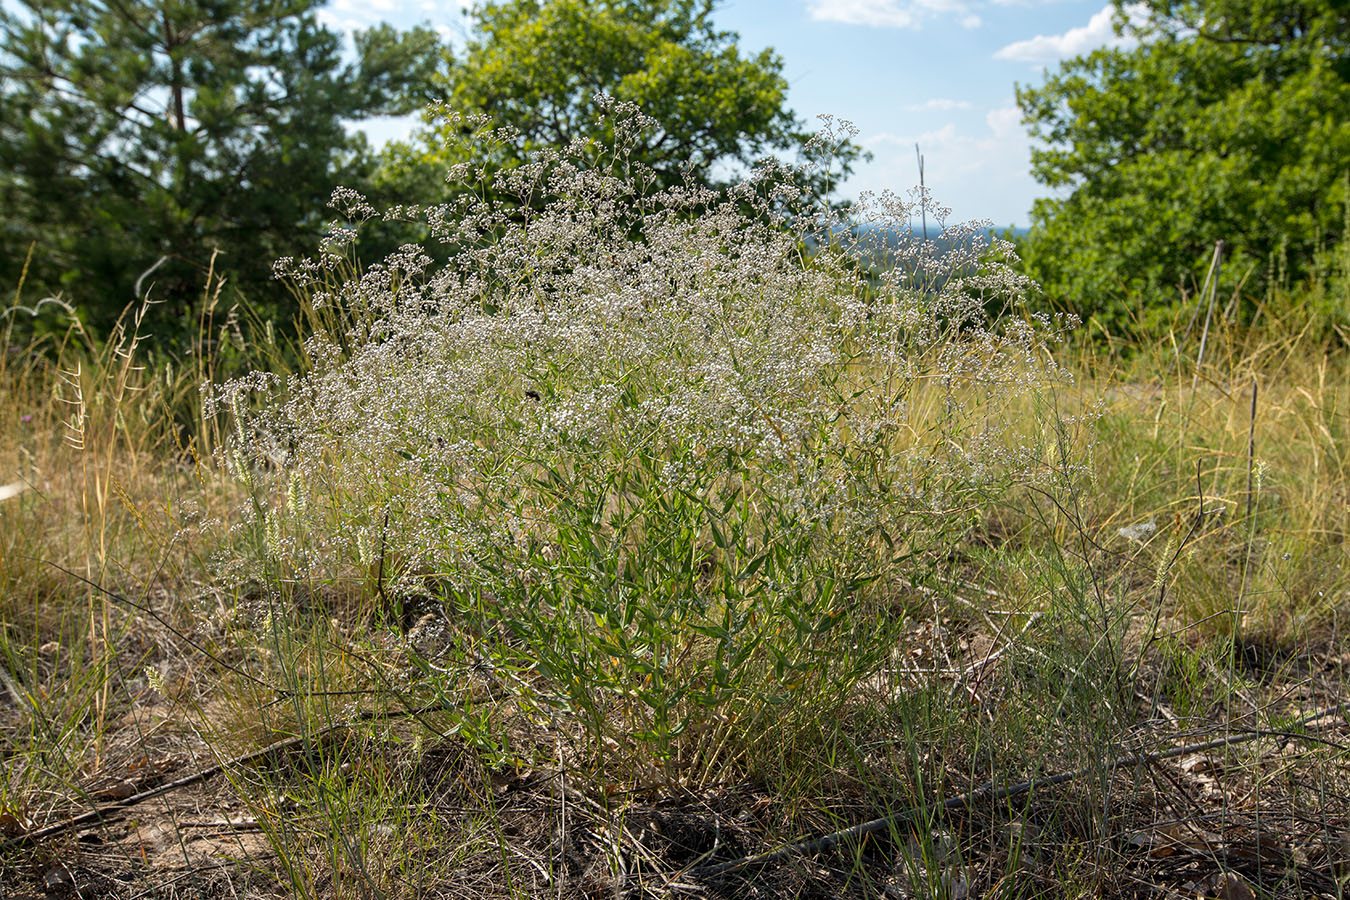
x=1228, y=120
x=536, y=66
x=160, y=131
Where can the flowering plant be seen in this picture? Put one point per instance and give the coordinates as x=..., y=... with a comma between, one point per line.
x=669, y=454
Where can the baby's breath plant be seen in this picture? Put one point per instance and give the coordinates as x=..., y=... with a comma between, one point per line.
x=669, y=457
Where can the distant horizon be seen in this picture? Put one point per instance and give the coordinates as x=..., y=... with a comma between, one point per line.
x=939, y=73
x=936, y=228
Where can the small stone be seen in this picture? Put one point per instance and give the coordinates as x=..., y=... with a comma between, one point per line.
x=58, y=881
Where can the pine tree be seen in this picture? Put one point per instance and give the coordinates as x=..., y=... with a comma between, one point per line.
x=136, y=132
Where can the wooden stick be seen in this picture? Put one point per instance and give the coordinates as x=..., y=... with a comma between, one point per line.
x=1251, y=453
x=1216, y=267
x=987, y=791
x=100, y=813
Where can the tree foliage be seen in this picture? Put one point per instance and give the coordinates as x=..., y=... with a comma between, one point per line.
x=536, y=66
x=141, y=131
x=1228, y=120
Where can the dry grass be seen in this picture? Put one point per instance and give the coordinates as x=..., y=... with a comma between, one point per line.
x=1048, y=642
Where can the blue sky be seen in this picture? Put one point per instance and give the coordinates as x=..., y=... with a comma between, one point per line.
x=937, y=72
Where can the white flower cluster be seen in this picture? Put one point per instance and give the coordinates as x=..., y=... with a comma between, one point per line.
x=568, y=316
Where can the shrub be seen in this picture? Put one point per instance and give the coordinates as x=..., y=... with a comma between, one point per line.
x=664, y=465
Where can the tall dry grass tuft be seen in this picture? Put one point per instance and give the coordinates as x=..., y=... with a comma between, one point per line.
x=107, y=500
x=1255, y=435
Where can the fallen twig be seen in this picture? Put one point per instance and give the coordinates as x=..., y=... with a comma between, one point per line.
x=99, y=814
x=986, y=792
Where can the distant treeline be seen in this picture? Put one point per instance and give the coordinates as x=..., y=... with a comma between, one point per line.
x=151, y=147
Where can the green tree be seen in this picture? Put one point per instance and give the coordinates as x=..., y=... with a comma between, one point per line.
x=136, y=132
x=537, y=65
x=1228, y=120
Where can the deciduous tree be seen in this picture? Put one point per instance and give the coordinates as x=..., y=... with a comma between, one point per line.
x=1228, y=120
x=537, y=65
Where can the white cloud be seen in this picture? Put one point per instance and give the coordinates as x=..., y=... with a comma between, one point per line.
x=1005, y=122
x=1098, y=32
x=353, y=15
x=330, y=19
x=937, y=103
x=363, y=8
x=876, y=13
x=890, y=13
